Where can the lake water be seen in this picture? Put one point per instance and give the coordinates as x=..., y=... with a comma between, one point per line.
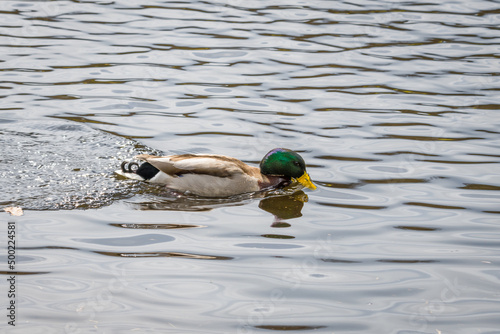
x=394, y=106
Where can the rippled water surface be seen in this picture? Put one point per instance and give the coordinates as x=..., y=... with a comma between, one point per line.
x=393, y=105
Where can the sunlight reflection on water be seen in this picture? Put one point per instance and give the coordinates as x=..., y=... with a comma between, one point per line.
x=393, y=105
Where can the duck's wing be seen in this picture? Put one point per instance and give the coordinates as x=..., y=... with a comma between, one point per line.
x=202, y=164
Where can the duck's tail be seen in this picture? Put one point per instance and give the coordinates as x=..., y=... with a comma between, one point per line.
x=133, y=170
x=129, y=167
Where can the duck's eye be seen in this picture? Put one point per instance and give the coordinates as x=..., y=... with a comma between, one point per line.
x=296, y=163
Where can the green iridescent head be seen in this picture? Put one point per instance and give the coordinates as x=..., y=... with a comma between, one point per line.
x=287, y=163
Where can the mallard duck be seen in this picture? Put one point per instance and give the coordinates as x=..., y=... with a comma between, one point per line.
x=212, y=175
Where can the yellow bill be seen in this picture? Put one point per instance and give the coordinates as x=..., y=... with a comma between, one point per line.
x=305, y=180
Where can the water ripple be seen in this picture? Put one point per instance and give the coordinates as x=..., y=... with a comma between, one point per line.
x=393, y=105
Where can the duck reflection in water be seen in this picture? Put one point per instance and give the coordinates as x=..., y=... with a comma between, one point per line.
x=284, y=207
x=283, y=204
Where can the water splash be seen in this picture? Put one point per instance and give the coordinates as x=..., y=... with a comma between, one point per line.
x=60, y=165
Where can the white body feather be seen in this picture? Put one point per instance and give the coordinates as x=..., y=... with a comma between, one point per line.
x=212, y=186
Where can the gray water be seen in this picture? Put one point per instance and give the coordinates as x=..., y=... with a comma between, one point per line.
x=393, y=105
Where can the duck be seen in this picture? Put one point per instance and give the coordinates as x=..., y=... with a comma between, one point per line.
x=214, y=175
